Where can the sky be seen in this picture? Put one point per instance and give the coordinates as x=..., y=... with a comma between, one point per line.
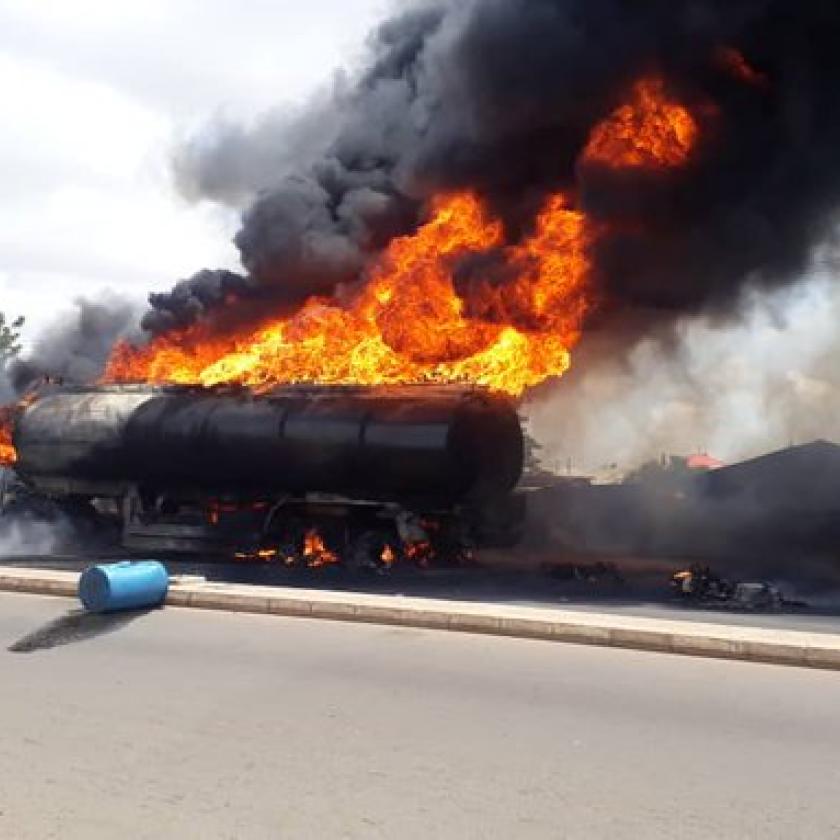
x=96, y=95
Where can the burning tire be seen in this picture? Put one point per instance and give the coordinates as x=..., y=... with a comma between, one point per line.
x=372, y=551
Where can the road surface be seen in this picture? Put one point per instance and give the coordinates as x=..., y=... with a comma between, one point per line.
x=190, y=724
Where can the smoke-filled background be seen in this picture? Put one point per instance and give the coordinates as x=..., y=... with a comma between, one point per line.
x=733, y=391
x=711, y=327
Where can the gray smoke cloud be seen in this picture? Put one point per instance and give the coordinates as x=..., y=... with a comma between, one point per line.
x=733, y=390
x=77, y=345
x=321, y=185
x=231, y=163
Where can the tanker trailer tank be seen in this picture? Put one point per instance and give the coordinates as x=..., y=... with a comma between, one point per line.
x=181, y=461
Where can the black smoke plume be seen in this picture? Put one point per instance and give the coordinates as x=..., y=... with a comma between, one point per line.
x=194, y=298
x=500, y=96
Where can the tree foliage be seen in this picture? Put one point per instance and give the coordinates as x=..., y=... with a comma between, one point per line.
x=9, y=338
x=533, y=460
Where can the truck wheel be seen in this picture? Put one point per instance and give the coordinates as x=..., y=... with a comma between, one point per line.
x=287, y=536
x=372, y=551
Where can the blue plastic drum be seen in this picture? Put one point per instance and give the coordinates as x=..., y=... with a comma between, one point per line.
x=123, y=586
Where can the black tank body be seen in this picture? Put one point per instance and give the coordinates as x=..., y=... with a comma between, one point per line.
x=447, y=443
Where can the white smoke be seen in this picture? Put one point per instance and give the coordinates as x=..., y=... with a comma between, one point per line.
x=22, y=537
x=733, y=390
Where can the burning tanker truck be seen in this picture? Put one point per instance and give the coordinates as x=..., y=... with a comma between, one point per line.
x=501, y=179
x=309, y=475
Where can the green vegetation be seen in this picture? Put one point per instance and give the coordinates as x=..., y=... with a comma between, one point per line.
x=9, y=338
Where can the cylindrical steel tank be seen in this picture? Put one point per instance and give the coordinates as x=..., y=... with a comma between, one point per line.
x=449, y=443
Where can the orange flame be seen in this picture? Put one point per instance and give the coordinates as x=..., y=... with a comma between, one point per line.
x=388, y=556
x=411, y=320
x=420, y=552
x=733, y=61
x=264, y=554
x=408, y=323
x=8, y=456
x=315, y=551
x=650, y=131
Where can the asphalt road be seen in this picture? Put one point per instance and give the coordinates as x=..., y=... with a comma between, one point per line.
x=190, y=724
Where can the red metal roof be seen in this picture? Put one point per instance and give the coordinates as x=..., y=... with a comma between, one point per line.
x=702, y=461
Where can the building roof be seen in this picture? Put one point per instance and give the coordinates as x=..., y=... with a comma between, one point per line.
x=703, y=461
x=799, y=477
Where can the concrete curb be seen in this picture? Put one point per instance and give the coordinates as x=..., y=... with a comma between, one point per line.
x=752, y=644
